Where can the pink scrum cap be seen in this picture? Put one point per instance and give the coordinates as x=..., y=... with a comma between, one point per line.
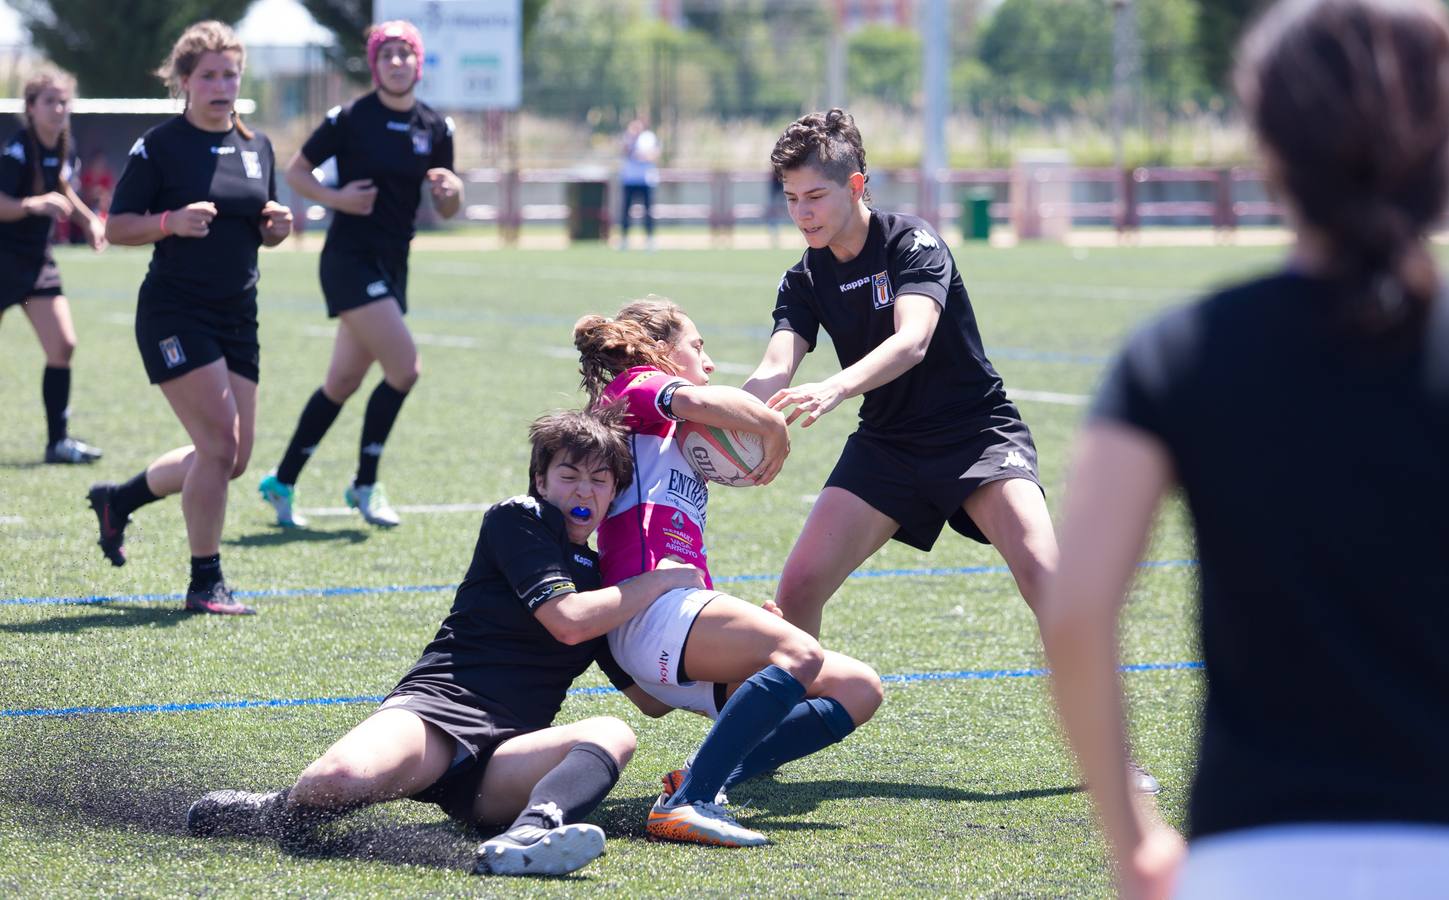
x=396, y=30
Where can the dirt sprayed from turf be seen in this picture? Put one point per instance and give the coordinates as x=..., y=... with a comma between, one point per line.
x=119, y=774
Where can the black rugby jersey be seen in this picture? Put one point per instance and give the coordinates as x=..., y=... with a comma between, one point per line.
x=394, y=149
x=1314, y=469
x=175, y=164
x=29, y=236
x=491, y=651
x=938, y=401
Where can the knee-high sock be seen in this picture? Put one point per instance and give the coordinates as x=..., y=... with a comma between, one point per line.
x=317, y=416
x=55, y=394
x=382, y=409
x=757, y=708
x=812, y=725
x=572, y=789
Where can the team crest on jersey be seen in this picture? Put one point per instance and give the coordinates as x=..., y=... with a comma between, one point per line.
x=422, y=143
x=171, y=352
x=880, y=289
x=16, y=151
x=251, y=161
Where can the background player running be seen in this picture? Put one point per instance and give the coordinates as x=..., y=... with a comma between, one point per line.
x=695, y=647
x=1323, y=731
x=387, y=144
x=201, y=188
x=470, y=726
x=938, y=440
x=36, y=167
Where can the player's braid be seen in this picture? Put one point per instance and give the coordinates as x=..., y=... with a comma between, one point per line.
x=1371, y=173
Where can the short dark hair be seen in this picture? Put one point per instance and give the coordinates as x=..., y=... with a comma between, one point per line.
x=581, y=436
x=829, y=141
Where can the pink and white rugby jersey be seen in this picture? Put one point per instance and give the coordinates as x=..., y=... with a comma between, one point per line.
x=662, y=513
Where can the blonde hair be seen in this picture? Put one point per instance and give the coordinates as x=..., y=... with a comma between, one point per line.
x=609, y=346
x=196, y=41
x=35, y=85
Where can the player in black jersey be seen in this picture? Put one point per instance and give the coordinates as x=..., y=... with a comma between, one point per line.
x=470, y=726
x=939, y=442
x=36, y=167
x=201, y=188
x=386, y=144
x=1323, y=618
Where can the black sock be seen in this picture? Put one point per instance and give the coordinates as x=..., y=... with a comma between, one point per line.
x=571, y=789
x=132, y=495
x=382, y=410
x=317, y=416
x=205, y=572
x=55, y=393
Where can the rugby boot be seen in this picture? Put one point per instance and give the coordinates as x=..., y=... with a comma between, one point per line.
x=218, y=601
x=531, y=850
x=113, y=527
x=699, y=823
x=371, y=502
x=70, y=451
x=281, y=497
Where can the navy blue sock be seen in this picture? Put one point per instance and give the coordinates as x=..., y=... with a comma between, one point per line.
x=759, y=705
x=812, y=725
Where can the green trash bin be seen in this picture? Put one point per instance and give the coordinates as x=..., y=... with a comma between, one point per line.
x=588, y=218
x=976, y=223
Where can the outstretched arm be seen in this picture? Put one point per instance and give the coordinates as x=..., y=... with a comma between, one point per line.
x=916, y=316
x=777, y=369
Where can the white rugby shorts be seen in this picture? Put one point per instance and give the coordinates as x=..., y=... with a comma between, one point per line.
x=650, y=646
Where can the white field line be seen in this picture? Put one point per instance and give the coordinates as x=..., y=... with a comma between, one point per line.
x=421, y=509
x=1050, y=397
x=12, y=520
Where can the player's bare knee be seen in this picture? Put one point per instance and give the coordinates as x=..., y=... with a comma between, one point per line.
x=331, y=782
x=405, y=377
x=800, y=655
x=614, y=735
x=60, y=355
x=243, y=459
x=861, y=693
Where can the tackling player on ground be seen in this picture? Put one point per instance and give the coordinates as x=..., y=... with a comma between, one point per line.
x=775, y=694
x=387, y=144
x=939, y=442
x=470, y=726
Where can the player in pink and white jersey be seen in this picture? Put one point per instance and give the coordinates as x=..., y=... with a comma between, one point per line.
x=775, y=694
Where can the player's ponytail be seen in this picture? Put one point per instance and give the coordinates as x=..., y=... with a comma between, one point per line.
x=609, y=346
x=1351, y=100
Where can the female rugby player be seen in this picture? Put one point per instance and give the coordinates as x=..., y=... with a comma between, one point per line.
x=774, y=693
x=36, y=168
x=470, y=726
x=939, y=442
x=200, y=187
x=1323, y=619
x=386, y=144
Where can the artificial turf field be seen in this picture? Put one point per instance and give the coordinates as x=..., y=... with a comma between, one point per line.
x=958, y=787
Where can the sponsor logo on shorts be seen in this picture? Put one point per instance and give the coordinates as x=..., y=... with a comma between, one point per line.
x=664, y=667
x=422, y=143
x=377, y=289
x=172, y=353
x=1014, y=458
x=252, y=163
x=399, y=700
x=880, y=286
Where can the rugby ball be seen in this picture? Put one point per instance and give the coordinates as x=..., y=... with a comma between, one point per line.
x=720, y=455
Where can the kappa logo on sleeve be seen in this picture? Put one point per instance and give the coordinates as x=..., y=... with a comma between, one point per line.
x=16, y=151
x=139, y=148
x=171, y=352
x=333, y=113
x=923, y=238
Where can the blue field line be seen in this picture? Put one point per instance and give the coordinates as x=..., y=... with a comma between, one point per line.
x=434, y=588
x=907, y=678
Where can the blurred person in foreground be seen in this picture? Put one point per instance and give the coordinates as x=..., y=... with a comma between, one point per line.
x=1323, y=618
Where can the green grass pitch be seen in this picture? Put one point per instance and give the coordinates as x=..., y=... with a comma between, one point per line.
x=958, y=787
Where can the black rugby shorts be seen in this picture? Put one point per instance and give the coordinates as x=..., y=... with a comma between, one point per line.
x=922, y=489
x=352, y=278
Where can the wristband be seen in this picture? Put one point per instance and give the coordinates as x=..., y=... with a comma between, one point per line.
x=164, y=232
